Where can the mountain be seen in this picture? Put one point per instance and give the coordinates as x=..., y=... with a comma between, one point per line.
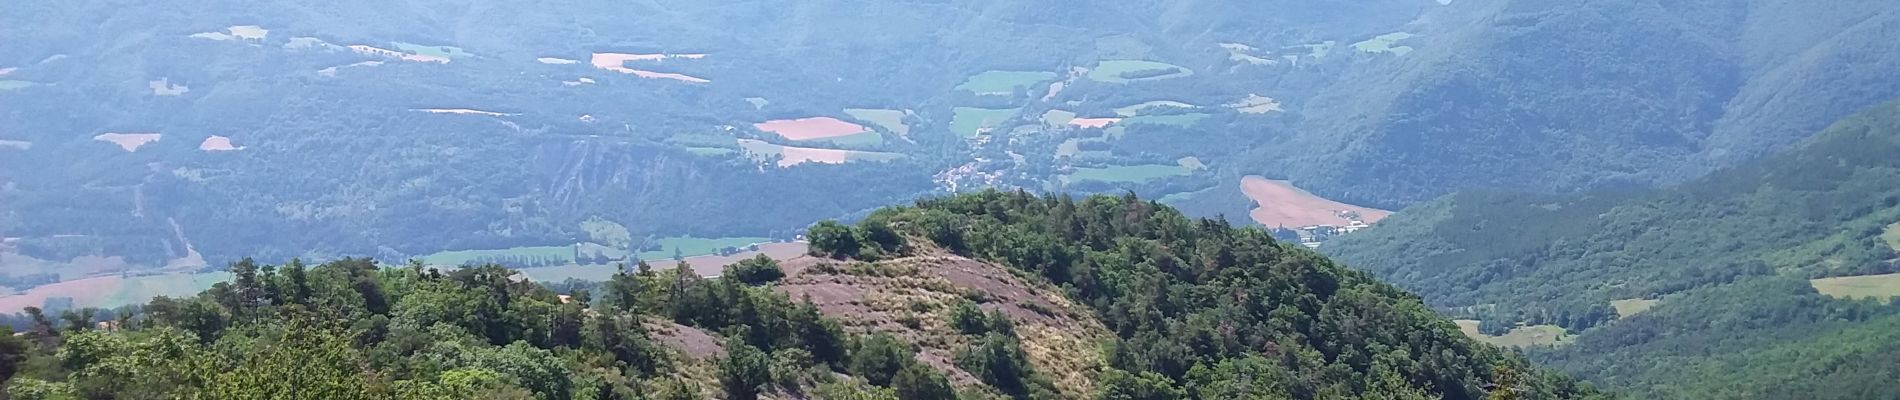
x=987, y=295
x=162, y=139
x=1741, y=268
x=1552, y=96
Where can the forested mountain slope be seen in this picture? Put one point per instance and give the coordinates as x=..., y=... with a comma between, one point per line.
x=1726, y=257
x=1030, y=297
x=1554, y=96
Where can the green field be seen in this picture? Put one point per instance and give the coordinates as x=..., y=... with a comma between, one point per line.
x=1522, y=336
x=1180, y=120
x=1057, y=117
x=141, y=289
x=12, y=85
x=558, y=273
x=460, y=257
x=1384, y=44
x=1883, y=287
x=710, y=151
x=1892, y=236
x=1111, y=70
x=687, y=246
x=861, y=139
x=1004, y=81
x=1173, y=198
x=438, y=51
x=969, y=120
x=1127, y=173
x=1137, y=109
x=891, y=120
x=1628, y=307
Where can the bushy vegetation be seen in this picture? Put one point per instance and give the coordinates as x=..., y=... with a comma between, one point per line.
x=1727, y=257
x=1197, y=305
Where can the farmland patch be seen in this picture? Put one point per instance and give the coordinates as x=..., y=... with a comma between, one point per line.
x=1256, y=104
x=1627, y=307
x=218, y=143
x=1004, y=82
x=164, y=87
x=890, y=120
x=131, y=142
x=812, y=128
x=1180, y=120
x=1126, y=173
x=970, y=122
x=1384, y=44
x=1881, y=287
x=1522, y=336
x=1125, y=71
x=1143, y=107
x=1279, y=203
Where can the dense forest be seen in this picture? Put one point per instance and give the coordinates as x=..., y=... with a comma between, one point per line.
x=1199, y=309
x=1726, y=258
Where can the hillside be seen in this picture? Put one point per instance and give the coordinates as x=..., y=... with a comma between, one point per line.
x=989, y=295
x=1546, y=96
x=1725, y=261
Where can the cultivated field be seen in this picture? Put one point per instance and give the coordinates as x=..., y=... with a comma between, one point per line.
x=688, y=246
x=1628, y=307
x=1523, y=336
x=1057, y=117
x=1892, y=236
x=460, y=257
x=1114, y=71
x=791, y=156
x=706, y=265
x=1384, y=44
x=217, y=143
x=971, y=122
x=1180, y=120
x=617, y=62
x=461, y=111
x=1278, y=203
x=1004, y=82
x=433, y=51
x=113, y=290
x=890, y=120
x=1883, y=287
x=1256, y=104
x=129, y=141
x=814, y=128
x=1127, y=173
x=1137, y=109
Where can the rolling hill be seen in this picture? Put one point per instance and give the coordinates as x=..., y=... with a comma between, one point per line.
x=1725, y=260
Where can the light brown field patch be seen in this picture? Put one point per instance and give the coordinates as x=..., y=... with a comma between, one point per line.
x=84, y=292
x=713, y=265
x=1093, y=122
x=791, y=156
x=1882, y=287
x=461, y=111
x=810, y=128
x=1522, y=336
x=378, y=51
x=128, y=141
x=1279, y=203
x=617, y=62
x=1256, y=104
x=164, y=87
x=1628, y=307
x=218, y=143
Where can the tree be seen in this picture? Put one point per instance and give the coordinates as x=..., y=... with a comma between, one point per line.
x=745, y=371
x=832, y=239
x=878, y=358
x=969, y=319
x=12, y=353
x=757, y=270
x=920, y=382
x=1122, y=385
